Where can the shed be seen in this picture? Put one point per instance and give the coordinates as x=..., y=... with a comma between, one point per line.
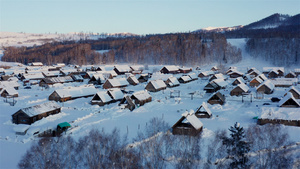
x=31, y=114
x=156, y=85
x=188, y=124
x=289, y=101
x=203, y=111
x=216, y=98
x=239, y=90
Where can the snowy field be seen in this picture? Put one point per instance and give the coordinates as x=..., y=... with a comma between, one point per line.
x=83, y=116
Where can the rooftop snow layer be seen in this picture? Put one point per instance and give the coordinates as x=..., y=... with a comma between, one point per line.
x=41, y=108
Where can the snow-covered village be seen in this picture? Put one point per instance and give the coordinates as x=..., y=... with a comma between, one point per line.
x=182, y=91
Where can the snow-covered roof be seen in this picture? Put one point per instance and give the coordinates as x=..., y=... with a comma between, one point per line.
x=267, y=83
x=134, y=79
x=268, y=69
x=33, y=76
x=77, y=91
x=4, y=84
x=294, y=89
x=2, y=69
x=51, y=73
x=280, y=113
x=103, y=96
x=10, y=90
x=193, y=76
x=123, y=68
x=37, y=64
x=173, y=80
x=297, y=70
x=63, y=79
x=98, y=76
x=157, y=84
x=220, y=82
x=116, y=93
x=186, y=78
x=288, y=96
x=240, y=79
x=259, y=80
x=243, y=86
x=118, y=82
x=141, y=95
x=171, y=68
x=191, y=118
x=207, y=73
x=220, y=76
x=235, y=72
x=41, y=108
x=205, y=107
x=137, y=67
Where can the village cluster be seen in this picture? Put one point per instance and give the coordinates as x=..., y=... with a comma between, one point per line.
x=104, y=86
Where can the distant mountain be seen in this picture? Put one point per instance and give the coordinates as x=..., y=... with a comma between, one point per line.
x=274, y=21
x=219, y=29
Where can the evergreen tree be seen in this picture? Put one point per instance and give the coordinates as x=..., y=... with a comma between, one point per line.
x=237, y=148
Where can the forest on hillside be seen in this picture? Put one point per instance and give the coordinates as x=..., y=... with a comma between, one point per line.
x=179, y=49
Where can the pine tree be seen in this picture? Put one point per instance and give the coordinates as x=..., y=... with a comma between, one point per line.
x=237, y=148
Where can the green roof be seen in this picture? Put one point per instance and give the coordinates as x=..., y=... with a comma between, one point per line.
x=64, y=124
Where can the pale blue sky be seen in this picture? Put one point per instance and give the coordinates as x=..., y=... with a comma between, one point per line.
x=135, y=16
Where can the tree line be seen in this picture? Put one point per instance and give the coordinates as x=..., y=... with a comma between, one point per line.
x=180, y=49
x=155, y=147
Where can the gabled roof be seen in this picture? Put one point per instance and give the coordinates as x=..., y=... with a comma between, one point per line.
x=219, y=95
x=220, y=76
x=133, y=78
x=174, y=81
x=268, y=69
x=141, y=95
x=76, y=91
x=262, y=77
x=116, y=93
x=220, y=82
x=41, y=108
x=243, y=86
x=205, y=108
x=186, y=78
x=10, y=90
x=171, y=68
x=294, y=89
x=287, y=97
x=33, y=76
x=193, y=76
x=268, y=84
x=259, y=80
x=123, y=68
x=240, y=79
x=157, y=84
x=103, y=96
x=192, y=119
x=4, y=84
x=118, y=82
x=63, y=79
x=207, y=73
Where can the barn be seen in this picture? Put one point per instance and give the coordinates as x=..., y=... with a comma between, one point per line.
x=31, y=114
x=156, y=85
x=216, y=98
x=188, y=124
x=239, y=90
x=203, y=111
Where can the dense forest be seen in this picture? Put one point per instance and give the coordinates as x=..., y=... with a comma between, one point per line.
x=265, y=146
x=180, y=49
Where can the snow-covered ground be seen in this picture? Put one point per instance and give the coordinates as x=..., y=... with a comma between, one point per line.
x=83, y=116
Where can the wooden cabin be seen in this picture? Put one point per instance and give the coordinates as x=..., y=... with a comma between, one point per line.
x=132, y=80
x=203, y=111
x=156, y=85
x=71, y=93
x=184, y=79
x=170, y=70
x=54, y=80
x=215, y=85
x=294, y=92
x=235, y=74
x=127, y=103
x=97, y=78
x=193, y=76
x=255, y=82
x=143, y=78
x=217, y=76
x=273, y=74
x=238, y=81
x=172, y=82
x=291, y=75
x=101, y=98
x=216, y=98
x=206, y=74
x=116, y=94
x=141, y=97
x=289, y=101
x=185, y=70
x=115, y=83
x=122, y=69
x=31, y=114
x=266, y=87
x=9, y=92
x=188, y=124
x=239, y=90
